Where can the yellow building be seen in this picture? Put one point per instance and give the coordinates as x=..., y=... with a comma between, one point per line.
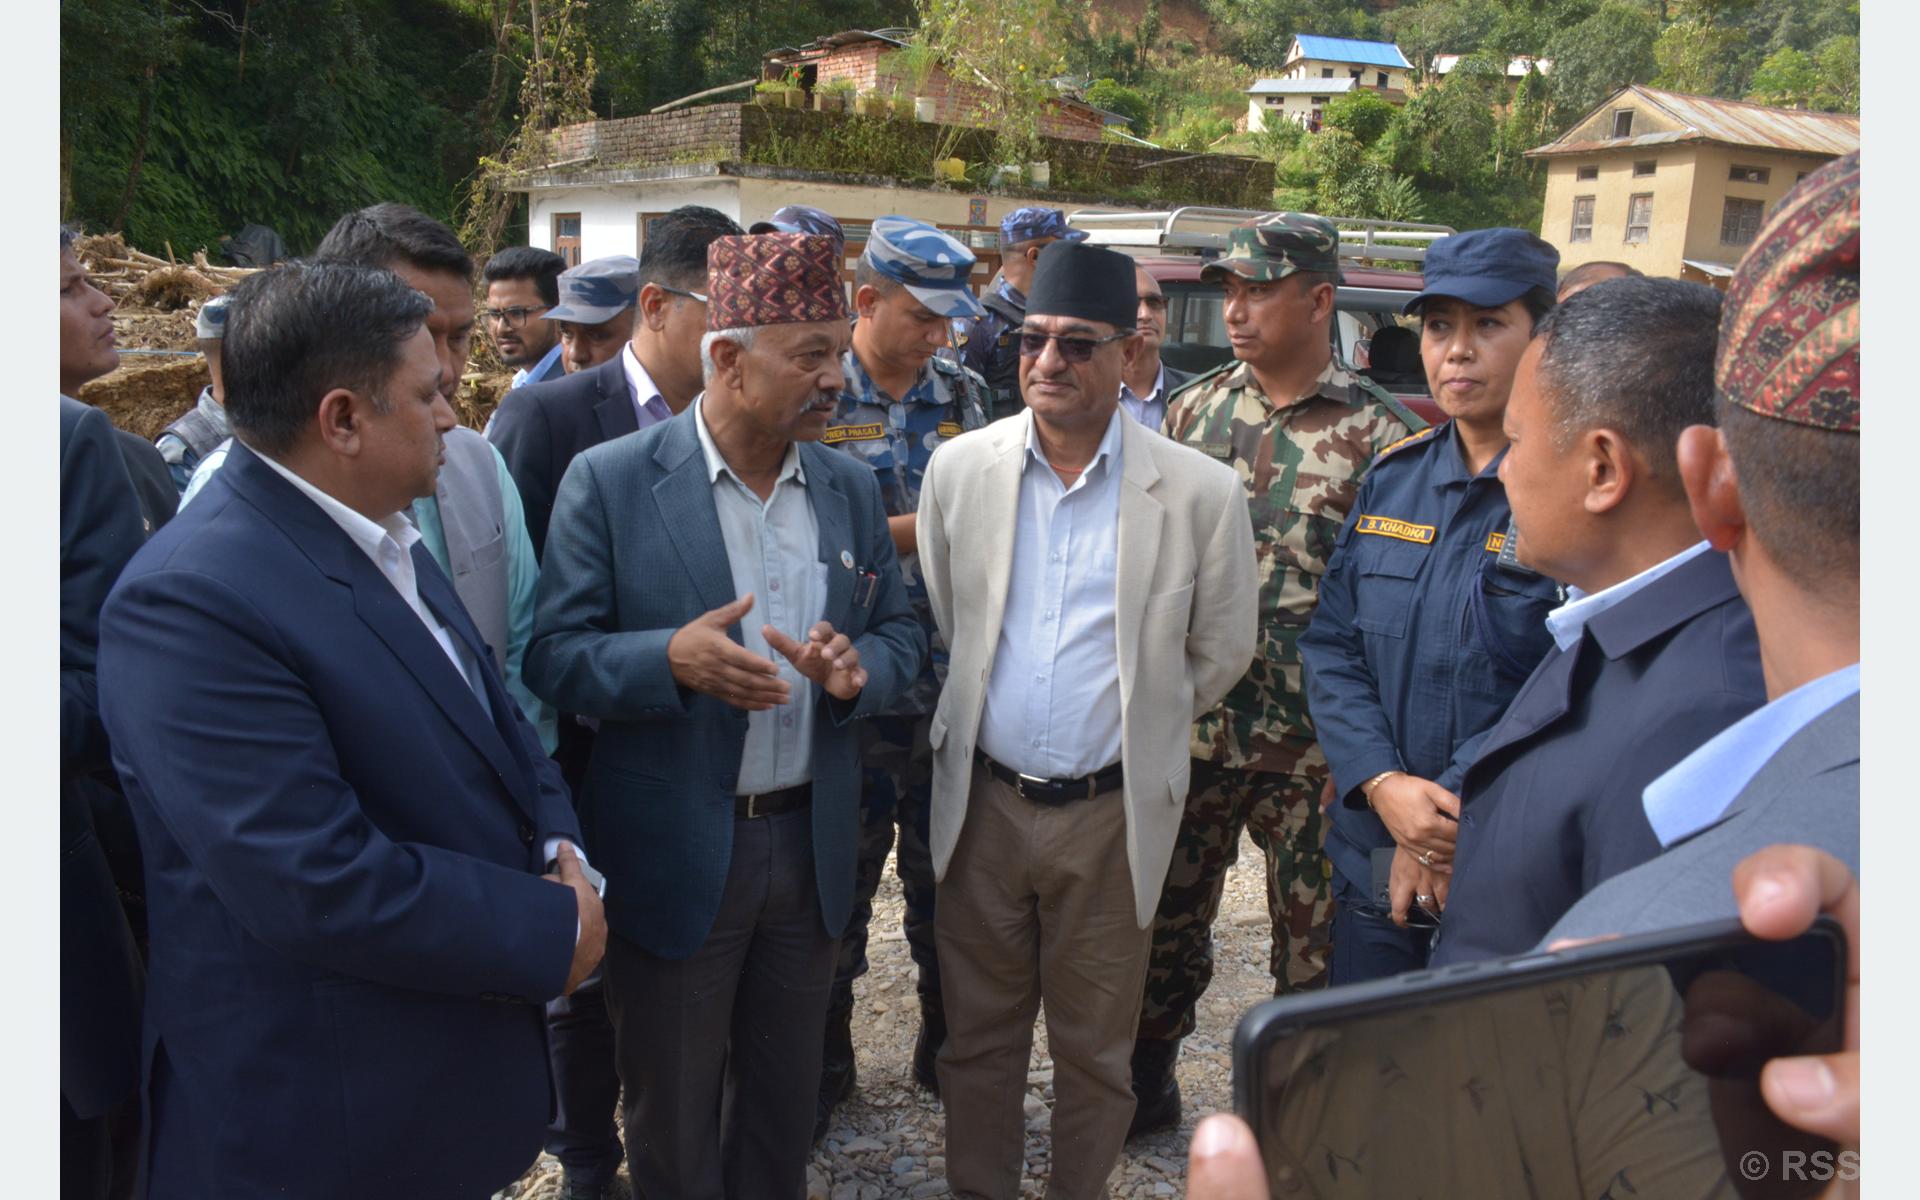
x=1678, y=185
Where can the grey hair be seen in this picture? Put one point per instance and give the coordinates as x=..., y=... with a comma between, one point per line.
x=1633, y=355
x=741, y=337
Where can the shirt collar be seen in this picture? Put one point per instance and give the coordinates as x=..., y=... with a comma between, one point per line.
x=1569, y=622
x=639, y=383
x=717, y=464
x=1700, y=787
x=1106, y=459
x=366, y=533
x=208, y=405
x=1154, y=393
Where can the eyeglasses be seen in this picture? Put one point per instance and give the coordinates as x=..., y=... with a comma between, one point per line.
x=700, y=296
x=515, y=317
x=1073, y=349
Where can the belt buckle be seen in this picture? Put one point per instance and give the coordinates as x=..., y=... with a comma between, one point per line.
x=1021, y=780
x=753, y=803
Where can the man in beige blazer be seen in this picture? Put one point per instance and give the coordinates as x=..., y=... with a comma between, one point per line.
x=1096, y=585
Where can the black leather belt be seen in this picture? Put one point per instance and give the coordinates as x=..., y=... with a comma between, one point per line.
x=772, y=804
x=1052, y=791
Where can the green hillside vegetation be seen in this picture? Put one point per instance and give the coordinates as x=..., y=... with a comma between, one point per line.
x=181, y=120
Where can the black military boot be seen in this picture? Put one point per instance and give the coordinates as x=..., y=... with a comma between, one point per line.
x=836, y=1069
x=926, y=1047
x=1156, y=1092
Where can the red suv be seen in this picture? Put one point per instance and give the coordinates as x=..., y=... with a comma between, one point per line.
x=1368, y=330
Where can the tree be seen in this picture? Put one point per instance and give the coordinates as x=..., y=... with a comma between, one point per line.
x=1596, y=57
x=1362, y=113
x=1837, y=62
x=1116, y=98
x=1786, y=79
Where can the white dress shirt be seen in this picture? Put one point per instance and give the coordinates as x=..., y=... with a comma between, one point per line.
x=773, y=549
x=1569, y=621
x=649, y=406
x=1151, y=409
x=1053, y=701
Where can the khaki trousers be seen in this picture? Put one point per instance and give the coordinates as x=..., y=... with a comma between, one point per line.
x=1037, y=907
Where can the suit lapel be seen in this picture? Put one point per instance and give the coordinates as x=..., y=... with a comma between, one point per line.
x=1543, y=699
x=1141, y=517
x=445, y=604
x=615, y=408
x=835, y=519
x=997, y=520
x=684, y=496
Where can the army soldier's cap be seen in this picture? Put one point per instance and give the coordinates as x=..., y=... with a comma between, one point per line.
x=211, y=323
x=932, y=266
x=801, y=218
x=1277, y=246
x=1487, y=268
x=596, y=292
x=1790, y=332
x=1033, y=223
x=773, y=279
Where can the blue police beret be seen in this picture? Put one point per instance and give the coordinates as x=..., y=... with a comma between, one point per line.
x=598, y=291
x=933, y=266
x=210, y=325
x=1487, y=267
x=801, y=218
x=1032, y=223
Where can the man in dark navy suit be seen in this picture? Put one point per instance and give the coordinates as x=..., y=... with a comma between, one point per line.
x=344, y=816
x=540, y=427
x=1655, y=651
x=100, y=971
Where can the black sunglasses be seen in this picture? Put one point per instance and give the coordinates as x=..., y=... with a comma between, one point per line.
x=1073, y=349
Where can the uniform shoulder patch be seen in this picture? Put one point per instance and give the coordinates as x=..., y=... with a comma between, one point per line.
x=1203, y=377
x=1425, y=435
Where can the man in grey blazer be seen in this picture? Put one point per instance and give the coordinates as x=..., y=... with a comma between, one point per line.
x=722, y=594
x=1777, y=487
x=1095, y=583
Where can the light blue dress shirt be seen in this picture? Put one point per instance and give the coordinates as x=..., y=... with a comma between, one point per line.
x=523, y=572
x=773, y=549
x=1697, y=790
x=540, y=372
x=1569, y=621
x=1151, y=409
x=649, y=406
x=1053, y=701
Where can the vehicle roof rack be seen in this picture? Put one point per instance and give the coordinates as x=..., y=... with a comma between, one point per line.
x=1203, y=231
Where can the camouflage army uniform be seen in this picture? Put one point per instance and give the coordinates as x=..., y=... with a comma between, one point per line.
x=896, y=438
x=1256, y=763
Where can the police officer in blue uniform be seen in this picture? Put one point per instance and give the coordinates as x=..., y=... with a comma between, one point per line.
x=1427, y=623
x=989, y=343
x=188, y=439
x=901, y=403
x=802, y=218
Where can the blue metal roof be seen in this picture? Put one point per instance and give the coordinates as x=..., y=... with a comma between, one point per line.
x=1352, y=50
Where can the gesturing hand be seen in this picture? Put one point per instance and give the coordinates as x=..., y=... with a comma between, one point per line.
x=1420, y=814
x=826, y=657
x=592, y=941
x=702, y=657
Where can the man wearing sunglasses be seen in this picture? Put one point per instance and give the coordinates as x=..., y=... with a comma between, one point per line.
x=523, y=284
x=1148, y=381
x=1095, y=583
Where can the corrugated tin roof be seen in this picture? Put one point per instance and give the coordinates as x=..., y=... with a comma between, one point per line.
x=1715, y=269
x=1301, y=87
x=1352, y=50
x=1729, y=122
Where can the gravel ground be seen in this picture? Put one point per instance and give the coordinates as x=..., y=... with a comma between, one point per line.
x=887, y=1141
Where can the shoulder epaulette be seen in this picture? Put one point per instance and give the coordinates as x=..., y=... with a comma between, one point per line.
x=1387, y=400
x=948, y=366
x=1413, y=439
x=1201, y=378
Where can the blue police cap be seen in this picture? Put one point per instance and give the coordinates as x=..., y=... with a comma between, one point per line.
x=211, y=323
x=1487, y=267
x=932, y=265
x=1031, y=224
x=802, y=218
x=598, y=291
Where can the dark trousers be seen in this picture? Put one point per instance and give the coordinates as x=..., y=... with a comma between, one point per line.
x=719, y=1052
x=1367, y=944
x=99, y=1155
x=896, y=787
x=586, y=1085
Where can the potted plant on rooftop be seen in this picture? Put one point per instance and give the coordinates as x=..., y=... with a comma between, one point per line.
x=835, y=95
x=770, y=93
x=796, y=93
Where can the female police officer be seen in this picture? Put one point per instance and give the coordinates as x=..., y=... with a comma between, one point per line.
x=1425, y=629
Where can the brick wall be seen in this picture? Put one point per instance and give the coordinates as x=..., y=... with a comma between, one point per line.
x=710, y=132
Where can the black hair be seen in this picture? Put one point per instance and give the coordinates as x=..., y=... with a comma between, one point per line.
x=528, y=262
x=298, y=331
x=865, y=274
x=675, y=254
x=1636, y=356
x=1537, y=301
x=382, y=235
x=1800, y=487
